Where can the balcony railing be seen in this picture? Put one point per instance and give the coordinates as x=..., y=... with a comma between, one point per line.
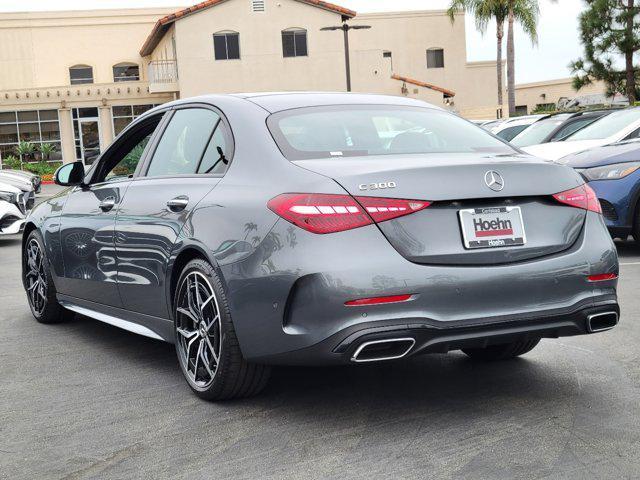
x=163, y=76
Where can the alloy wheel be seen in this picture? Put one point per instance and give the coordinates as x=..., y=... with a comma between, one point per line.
x=198, y=331
x=35, y=277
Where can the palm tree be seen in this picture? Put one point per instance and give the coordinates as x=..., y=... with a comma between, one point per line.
x=483, y=12
x=526, y=12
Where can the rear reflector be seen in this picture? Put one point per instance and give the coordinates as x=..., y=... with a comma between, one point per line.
x=329, y=213
x=378, y=300
x=601, y=277
x=580, y=197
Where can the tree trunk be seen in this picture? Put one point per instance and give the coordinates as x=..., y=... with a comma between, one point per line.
x=628, y=55
x=511, y=83
x=499, y=70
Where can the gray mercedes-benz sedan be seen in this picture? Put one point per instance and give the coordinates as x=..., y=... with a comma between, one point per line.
x=319, y=228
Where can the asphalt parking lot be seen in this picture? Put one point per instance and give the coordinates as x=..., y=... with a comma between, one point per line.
x=87, y=400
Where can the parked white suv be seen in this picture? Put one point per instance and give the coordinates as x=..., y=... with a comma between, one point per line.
x=13, y=209
x=615, y=127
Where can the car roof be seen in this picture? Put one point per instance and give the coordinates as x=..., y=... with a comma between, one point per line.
x=278, y=101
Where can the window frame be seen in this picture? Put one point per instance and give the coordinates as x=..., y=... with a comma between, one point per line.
x=78, y=67
x=39, y=122
x=435, y=49
x=123, y=141
x=125, y=79
x=224, y=34
x=145, y=163
x=293, y=31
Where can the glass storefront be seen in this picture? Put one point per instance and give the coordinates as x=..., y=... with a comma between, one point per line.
x=123, y=115
x=34, y=126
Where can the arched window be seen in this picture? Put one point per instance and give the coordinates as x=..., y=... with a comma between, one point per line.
x=226, y=45
x=294, y=42
x=126, y=72
x=435, y=58
x=80, y=74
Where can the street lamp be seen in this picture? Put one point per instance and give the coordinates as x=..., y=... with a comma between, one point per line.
x=345, y=28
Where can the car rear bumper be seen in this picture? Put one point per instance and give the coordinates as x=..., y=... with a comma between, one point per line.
x=423, y=336
x=289, y=294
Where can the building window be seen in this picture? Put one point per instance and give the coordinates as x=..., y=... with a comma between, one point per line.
x=257, y=6
x=435, y=58
x=126, y=72
x=521, y=110
x=80, y=74
x=226, y=45
x=294, y=42
x=34, y=126
x=123, y=115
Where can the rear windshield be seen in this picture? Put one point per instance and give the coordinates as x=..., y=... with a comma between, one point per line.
x=361, y=130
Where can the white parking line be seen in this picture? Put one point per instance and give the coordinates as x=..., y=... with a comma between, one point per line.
x=629, y=263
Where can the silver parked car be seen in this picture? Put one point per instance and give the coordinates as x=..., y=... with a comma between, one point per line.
x=313, y=228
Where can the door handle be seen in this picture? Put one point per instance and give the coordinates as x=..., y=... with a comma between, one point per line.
x=178, y=204
x=107, y=204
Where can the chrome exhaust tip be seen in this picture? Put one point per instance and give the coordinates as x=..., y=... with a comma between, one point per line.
x=380, y=350
x=599, y=322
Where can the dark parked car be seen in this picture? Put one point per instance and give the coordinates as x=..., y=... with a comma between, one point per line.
x=319, y=229
x=613, y=171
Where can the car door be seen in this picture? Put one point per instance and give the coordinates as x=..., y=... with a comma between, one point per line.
x=185, y=165
x=88, y=217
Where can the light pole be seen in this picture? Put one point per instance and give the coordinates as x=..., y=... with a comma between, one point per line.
x=345, y=29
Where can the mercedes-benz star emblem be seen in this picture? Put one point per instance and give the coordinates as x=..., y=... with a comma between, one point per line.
x=494, y=180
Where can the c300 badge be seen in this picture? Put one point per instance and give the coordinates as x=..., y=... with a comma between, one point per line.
x=377, y=186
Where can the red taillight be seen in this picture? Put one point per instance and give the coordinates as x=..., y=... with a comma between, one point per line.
x=378, y=300
x=382, y=209
x=329, y=213
x=580, y=197
x=602, y=277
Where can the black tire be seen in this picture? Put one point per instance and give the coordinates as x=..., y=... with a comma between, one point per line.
x=233, y=376
x=635, y=232
x=42, y=298
x=504, y=351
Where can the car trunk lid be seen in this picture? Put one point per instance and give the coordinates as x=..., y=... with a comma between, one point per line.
x=456, y=183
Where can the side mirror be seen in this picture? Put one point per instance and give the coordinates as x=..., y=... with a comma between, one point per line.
x=70, y=174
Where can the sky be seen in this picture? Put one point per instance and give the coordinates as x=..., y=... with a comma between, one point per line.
x=558, y=42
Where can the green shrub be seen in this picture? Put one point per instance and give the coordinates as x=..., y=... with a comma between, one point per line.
x=46, y=149
x=42, y=168
x=25, y=150
x=12, y=162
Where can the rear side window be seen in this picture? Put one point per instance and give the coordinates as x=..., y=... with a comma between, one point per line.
x=216, y=157
x=361, y=130
x=510, y=132
x=183, y=142
x=572, y=127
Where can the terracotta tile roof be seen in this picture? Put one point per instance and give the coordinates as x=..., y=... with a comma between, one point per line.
x=162, y=25
x=419, y=83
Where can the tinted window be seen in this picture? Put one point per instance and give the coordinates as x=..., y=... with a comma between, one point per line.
x=126, y=73
x=323, y=132
x=510, y=132
x=435, y=58
x=572, y=127
x=607, y=126
x=294, y=43
x=537, y=132
x=81, y=74
x=216, y=156
x=127, y=166
x=183, y=142
x=226, y=46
